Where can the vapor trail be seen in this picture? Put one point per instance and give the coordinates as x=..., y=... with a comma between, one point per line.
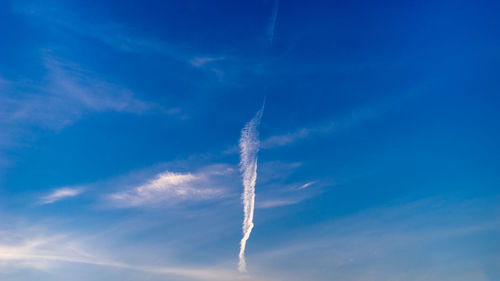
x=272, y=25
x=249, y=147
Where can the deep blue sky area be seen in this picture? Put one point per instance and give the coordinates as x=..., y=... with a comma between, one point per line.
x=126, y=126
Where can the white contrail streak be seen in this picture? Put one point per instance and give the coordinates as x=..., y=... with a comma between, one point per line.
x=249, y=147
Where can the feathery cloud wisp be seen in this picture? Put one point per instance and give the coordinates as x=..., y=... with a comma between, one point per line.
x=171, y=187
x=66, y=93
x=306, y=185
x=61, y=193
x=116, y=35
x=21, y=249
x=249, y=147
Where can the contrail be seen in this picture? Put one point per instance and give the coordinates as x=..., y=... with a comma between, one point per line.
x=249, y=147
x=272, y=26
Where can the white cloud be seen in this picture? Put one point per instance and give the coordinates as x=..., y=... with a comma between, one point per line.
x=306, y=185
x=172, y=187
x=61, y=193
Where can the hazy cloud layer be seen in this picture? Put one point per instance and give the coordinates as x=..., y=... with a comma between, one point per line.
x=381, y=242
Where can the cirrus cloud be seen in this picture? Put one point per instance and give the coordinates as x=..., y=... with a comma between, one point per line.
x=61, y=193
x=170, y=187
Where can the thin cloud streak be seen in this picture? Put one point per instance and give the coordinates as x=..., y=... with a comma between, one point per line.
x=59, y=194
x=276, y=203
x=115, y=35
x=302, y=133
x=351, y=120
x=249, y=147
x=354, y=118
x=306, y=185
x=272, y=26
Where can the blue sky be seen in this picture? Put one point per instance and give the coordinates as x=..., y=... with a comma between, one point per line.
x=123, y=123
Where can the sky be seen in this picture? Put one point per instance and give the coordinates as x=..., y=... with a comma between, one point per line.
x=249, y=140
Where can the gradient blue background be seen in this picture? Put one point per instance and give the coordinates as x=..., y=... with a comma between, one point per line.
x=388, y=109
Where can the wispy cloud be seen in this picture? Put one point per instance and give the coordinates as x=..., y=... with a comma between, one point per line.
x=42, y=251
x=50, y=247
x=279, y=188
x=350, y=120
x=435, y=237
x=302, y=133
x=168, y=188
x=306, y=185
x=275, y=203
x=249, y=147
x=61, y=193
x=285, y=194
x=272, y=25
x=115, y=35
x=65, y=94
